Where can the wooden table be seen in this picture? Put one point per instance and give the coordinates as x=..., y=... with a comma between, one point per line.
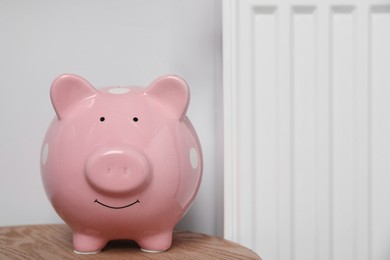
x=55, y=242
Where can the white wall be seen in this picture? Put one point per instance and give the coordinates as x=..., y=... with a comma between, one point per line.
x=109, y=43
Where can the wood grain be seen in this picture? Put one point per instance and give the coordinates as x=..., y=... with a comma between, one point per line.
x=55, y=242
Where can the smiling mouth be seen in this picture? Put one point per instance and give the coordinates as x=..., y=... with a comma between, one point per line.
x=122, y=207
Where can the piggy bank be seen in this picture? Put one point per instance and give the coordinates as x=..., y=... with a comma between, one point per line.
x=121, y=162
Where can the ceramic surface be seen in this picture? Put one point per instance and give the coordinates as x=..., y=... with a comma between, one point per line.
x=121, y=162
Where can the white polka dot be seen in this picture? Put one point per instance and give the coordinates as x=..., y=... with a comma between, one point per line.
x=194, y=159
x=45, y=153
x=118, y=91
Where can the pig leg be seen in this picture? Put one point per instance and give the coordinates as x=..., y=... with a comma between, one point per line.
x=86, y=244
x=156, y=243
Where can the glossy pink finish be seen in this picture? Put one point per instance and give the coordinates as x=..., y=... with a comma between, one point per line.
x=121, y=162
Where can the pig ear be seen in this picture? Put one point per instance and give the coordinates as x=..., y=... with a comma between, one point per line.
x=173, y=94
x=68, y=90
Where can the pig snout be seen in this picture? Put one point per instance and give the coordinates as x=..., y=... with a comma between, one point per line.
x=117, y=171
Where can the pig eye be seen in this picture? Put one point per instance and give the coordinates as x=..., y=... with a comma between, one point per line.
x=102, y=119
x=135, y=119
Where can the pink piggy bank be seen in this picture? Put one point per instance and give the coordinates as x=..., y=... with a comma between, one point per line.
x=121, y=162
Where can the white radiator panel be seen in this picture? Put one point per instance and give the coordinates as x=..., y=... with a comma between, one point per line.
x=307, y=128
